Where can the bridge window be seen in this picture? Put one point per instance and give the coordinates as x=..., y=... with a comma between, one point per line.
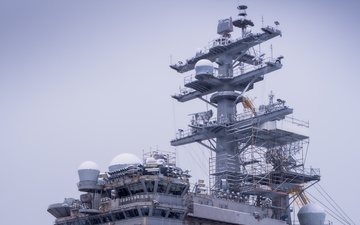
x=176, y=189
x=84, y=222
x=145, y=211
x=132, y=213
x=95, y=220
x=175, y=215
x=150, y=185
x=159, y=212
x=123, y=192
x=136, y=188
x=106, y=219
x=119, y=216
x=162, y=186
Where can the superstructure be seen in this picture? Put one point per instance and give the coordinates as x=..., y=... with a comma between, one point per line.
x=258, y=169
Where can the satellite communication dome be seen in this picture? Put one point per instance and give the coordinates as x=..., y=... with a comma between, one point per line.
x=123, y=160
x=151, y=160
x=311, y=214
x=88, y=171
x=204, y=67
x=160, y=161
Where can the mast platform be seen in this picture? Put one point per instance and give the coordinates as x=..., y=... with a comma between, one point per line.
x=235, y=48
x=239, y=127
x=201, y=86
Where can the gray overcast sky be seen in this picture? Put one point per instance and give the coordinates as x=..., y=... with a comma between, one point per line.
x=88, y=80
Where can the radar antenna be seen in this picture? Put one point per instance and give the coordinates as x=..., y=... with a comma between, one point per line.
x=243, y=23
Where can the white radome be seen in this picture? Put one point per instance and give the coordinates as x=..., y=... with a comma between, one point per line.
x=151, y=160
x=311, y=208
x=311, y=214
x=123, y=160
x=204, y=67
x=88, y=171
x=88, y=165
x=204, y=62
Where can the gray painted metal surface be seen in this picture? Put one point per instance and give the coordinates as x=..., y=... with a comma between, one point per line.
x=255, y=169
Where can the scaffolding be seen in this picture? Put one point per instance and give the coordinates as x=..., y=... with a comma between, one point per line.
x=271, y=158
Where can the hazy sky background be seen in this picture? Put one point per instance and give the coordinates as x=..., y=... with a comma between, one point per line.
x=88, y=80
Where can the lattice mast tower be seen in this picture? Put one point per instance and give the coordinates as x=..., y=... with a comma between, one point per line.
x=254, y=156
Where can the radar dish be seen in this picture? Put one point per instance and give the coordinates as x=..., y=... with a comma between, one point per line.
x=225, y=26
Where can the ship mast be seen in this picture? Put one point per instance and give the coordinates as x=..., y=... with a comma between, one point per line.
x=254, y=156
x=258, y=169
x=226, y=84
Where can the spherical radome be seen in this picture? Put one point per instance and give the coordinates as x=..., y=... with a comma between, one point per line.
x=88, y=171
x=311, y=214
x=122, y=160
x=88, y=165
x=160, y=161
x=204, y=67
x=151, y=160
x=125, y=158
x=311, y=208
x=203, y=62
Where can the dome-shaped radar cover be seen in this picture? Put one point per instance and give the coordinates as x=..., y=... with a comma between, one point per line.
x=204, y=67
x=311, y=208
x=311, y=214
x=123, y=160
x=204, y=62
x=88, y=165
x=151, y=160
x=88, y=171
